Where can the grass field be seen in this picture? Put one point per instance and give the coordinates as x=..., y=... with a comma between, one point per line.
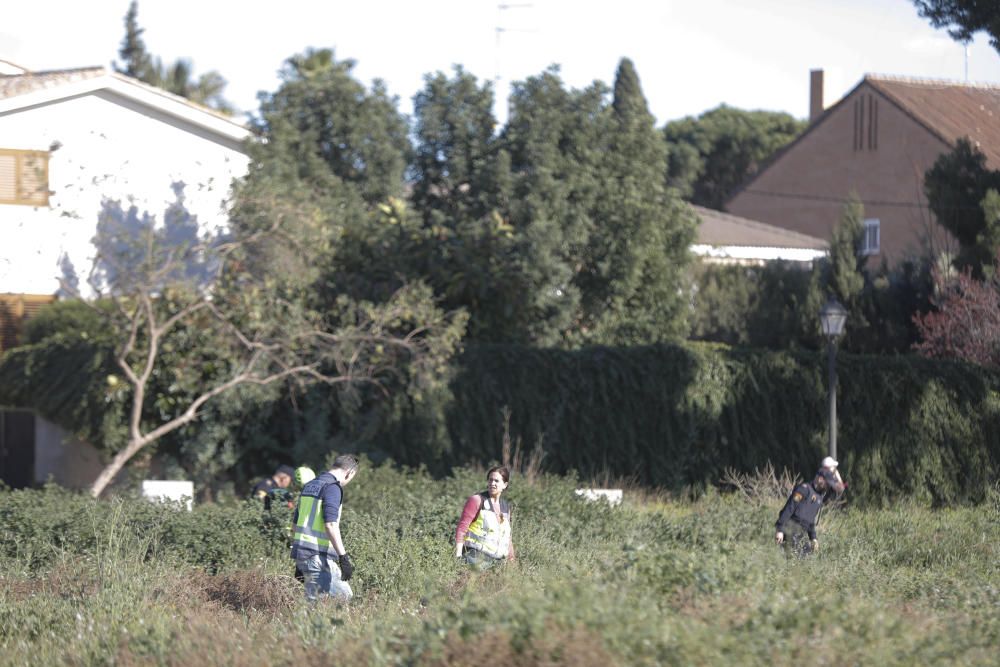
x=656, y=581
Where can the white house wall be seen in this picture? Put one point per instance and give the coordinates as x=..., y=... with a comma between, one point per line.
x=62, y=458
x=105, y=146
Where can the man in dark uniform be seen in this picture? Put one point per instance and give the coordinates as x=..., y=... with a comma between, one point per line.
x=802, y=509
x=266, y=489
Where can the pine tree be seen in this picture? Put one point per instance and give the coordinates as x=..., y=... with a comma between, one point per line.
x=176, y=78
x=137, y=63
x=711, y=155
x=847, y=263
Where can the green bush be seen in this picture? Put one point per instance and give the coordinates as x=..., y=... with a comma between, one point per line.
x=646, y=583
x=42, y=526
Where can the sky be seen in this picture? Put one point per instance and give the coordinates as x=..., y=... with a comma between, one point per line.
x=691, y=56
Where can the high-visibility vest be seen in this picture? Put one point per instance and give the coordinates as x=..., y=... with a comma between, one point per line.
x=490, y=532
x=310, y=529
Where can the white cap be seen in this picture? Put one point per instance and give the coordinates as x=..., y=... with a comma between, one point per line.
x=828, y=462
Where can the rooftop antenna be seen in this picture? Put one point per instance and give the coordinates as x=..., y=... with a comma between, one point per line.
x=500, y=30
x=966, y=44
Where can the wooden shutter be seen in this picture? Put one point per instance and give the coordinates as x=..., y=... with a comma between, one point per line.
x=24, y=177
x=8, y=178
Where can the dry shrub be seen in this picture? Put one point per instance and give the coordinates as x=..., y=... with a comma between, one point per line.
x=253, y=590
x=555, y=647
x=207, y=639
x=763, y=485
x=64, y=580
x=527, y=466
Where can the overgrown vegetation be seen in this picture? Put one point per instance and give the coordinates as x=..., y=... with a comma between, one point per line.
x=655, y=581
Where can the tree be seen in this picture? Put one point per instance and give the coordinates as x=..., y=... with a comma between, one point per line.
x=847, y=262
x=713, y=154
x=186, y=321
x=454, y=130
x=965, y=322
x=137, y=63
x=175, y=78
x=843, y=276
x=322, y=122
x=963, y=18
x=554, y=141
x=756, y=306
x=956, y=187
x=630, y=283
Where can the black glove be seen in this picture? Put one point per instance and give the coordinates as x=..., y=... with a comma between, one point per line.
x=346, y=568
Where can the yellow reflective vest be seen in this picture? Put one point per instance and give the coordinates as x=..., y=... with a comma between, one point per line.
x=310, y=530
x=490, y=532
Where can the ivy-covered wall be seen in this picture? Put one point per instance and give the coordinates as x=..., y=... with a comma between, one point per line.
x=675, y=416
x=678, y=416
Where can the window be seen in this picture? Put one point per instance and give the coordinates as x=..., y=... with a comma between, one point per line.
x=872, y=240
x=24, y=177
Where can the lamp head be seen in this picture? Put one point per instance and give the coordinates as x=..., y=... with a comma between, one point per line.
x=832, y=318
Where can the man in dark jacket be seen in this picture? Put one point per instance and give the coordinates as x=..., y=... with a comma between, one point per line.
x=267, y=489
x=802, y=509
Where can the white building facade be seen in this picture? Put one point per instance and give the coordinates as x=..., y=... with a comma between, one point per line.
x=72, y=140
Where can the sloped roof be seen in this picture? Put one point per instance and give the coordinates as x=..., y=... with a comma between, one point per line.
x=949, y=109
x=24, y=90
x=723, y=229
x=19, y=84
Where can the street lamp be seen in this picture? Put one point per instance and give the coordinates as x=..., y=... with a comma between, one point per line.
x=832, y=318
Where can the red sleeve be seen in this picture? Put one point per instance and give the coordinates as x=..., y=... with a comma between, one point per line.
x=469, y=513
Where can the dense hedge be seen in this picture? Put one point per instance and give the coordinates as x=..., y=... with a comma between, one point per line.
x=675, y=416
x=678, y=416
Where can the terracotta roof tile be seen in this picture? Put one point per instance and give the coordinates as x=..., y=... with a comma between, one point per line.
x=951, y=109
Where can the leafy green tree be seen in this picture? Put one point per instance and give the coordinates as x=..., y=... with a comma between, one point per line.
x=323, y=122
x=758, y=306
x=843, y=276
x=713, y=154
x=554, y=138
x=454, y=126
x=187, y=320
x=963, y=18
x=630, y=284
x=956, y=187
x=176, y=78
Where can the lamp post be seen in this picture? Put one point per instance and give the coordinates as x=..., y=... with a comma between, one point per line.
x=832, y=318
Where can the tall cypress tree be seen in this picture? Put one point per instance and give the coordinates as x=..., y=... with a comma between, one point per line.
x=631, y=286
